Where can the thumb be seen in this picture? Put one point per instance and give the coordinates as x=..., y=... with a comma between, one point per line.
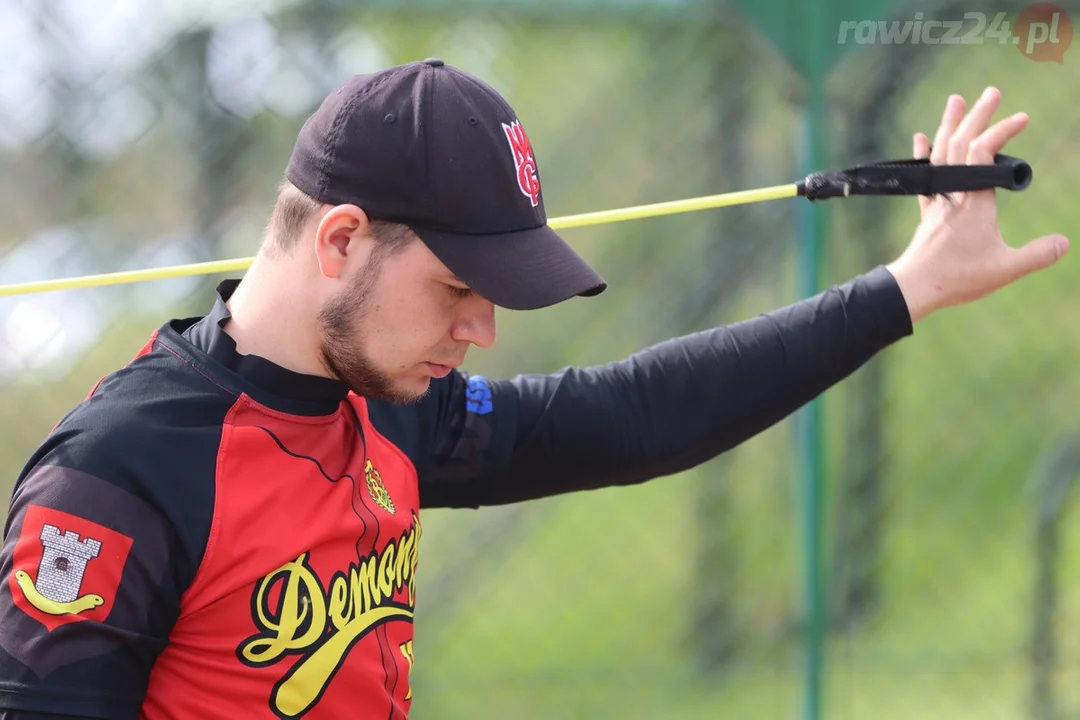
x=1037, y=254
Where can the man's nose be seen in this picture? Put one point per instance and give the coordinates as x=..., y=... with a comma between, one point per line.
x=477, y=323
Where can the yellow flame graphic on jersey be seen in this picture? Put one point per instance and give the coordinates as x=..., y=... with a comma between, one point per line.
x=377, y=490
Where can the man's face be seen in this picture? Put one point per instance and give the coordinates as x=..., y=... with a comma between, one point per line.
x=394, y=329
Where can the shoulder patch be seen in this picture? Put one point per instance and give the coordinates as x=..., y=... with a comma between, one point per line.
x=84, y=564
x=66, y=569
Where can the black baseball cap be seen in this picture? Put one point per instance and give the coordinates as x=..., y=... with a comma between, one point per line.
x=436, y=149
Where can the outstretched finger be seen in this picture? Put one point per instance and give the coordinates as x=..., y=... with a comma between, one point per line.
x=973, y=125
x=983, y=148
x=950, y=119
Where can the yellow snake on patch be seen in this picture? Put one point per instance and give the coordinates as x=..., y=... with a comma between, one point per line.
x=51, y=607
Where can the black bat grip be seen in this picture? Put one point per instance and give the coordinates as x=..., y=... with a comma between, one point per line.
x=1019, y=172
x=917, y=176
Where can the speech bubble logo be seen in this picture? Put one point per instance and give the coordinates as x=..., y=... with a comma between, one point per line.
x=1043, y=32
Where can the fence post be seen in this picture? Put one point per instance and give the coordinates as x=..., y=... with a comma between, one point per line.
x=1053, y=479
x=810, y=442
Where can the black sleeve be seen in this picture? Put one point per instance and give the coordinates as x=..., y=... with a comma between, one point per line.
x=30, y=715
x=663, y=410
x=90, y=576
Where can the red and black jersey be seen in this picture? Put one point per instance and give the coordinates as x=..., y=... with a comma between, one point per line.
x=210, y=535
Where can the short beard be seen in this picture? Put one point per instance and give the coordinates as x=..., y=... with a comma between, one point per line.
x=343, y=354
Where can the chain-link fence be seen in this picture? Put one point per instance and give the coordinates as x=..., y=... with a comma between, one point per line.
x=151, y=135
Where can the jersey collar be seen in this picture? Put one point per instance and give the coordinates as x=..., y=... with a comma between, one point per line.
x=266, y=382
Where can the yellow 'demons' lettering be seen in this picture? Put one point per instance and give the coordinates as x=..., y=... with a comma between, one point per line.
x=353, y=605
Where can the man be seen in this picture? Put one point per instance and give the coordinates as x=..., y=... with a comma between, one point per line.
x=229, y=526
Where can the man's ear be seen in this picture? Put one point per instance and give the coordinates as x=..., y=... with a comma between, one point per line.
x=341, y=240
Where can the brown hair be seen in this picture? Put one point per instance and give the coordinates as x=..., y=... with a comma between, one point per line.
x=294, y=208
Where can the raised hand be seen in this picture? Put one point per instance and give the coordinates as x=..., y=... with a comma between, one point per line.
x=957, y=254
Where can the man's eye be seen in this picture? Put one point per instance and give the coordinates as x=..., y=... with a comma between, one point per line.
x=458, y=291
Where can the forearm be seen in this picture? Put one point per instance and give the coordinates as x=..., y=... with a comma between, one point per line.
x=682, y=402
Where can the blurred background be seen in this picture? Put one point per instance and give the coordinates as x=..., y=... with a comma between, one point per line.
x=906, y=547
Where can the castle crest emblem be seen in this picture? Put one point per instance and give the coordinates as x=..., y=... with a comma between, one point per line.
x=67, y=569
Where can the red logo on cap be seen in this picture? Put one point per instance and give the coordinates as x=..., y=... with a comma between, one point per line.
x=528, y=182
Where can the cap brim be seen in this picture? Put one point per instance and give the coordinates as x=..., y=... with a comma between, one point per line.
x=523, y=270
